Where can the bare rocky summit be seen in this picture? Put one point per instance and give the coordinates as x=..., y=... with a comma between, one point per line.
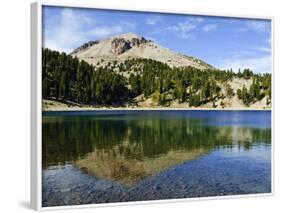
x=121, y=45
x=127, y=46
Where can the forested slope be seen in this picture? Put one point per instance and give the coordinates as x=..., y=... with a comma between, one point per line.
x=146, y=82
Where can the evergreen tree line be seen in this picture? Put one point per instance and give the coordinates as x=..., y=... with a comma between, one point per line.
x=67, y=78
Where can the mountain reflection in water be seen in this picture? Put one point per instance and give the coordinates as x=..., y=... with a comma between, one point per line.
x=129, y=147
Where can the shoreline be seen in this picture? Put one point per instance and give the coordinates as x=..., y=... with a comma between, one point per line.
x=75, y=109
x=57, y=106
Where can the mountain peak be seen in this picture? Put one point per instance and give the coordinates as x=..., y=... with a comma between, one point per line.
x=128, y=36
x=130, y=45
x=125, y=42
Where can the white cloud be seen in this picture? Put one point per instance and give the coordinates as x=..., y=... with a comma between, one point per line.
x=260, y=64
x=263, y=49
x=128, y=24
x=266, y=48
x=256, y=25
x=153, y=20
x=195, y=19
x=104, y=31
x=209, y=27
x=64, y=34
x=74, y=29
x=184, y=29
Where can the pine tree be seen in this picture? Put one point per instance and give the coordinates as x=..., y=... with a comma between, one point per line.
x=229, y=91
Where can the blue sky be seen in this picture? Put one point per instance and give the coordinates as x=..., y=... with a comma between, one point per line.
x=223, y=42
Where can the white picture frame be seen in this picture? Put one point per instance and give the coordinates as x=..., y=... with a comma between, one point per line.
x=36, y=105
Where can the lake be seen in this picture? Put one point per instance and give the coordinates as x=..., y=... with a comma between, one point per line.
x=119, y=156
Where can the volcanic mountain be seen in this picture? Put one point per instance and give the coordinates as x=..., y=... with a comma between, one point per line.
x=128, y=46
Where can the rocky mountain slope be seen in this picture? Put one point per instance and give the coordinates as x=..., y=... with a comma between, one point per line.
x=127, y=46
